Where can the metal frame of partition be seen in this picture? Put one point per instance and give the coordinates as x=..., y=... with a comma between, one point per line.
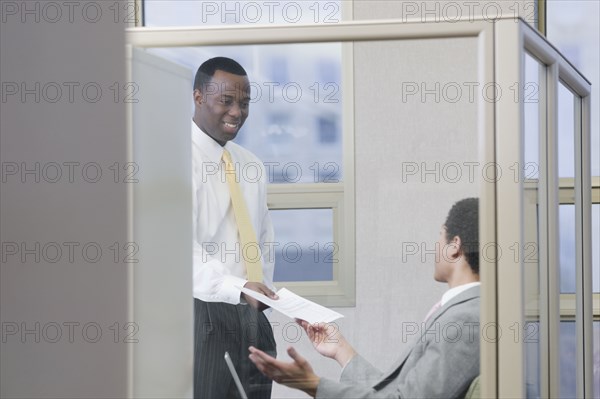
x=501, y=47
x=512, y=41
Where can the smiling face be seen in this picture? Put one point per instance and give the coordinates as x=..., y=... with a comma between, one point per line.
x=223, y=107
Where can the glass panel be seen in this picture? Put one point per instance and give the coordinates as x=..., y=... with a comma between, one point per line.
x=566, y=237
x=573, y=27
x=416, y=139
x=531, y=343
x=295, y=120
x=568, y=347
x=395, y=131
x=531, y=275
x=304, y=248
x=233, y=12
x=596, y=250
x=568, y=359
x=531, y=104
x=566, y=132
x=597, y=359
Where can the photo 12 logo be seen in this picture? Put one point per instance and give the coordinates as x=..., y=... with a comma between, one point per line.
x=68, y=331
x=268, y=12
x=454, y=11
x=68, y=92
x=53, y=12
x=68, y=252
x=466, y=172
x=68, y=172
x=468, y=92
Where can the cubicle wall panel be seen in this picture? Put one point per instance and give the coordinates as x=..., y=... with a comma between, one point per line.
x=161, y=225
x=416, y=138
x=63, y=203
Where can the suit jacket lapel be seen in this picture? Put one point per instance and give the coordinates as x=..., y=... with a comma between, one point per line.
x=460, y=298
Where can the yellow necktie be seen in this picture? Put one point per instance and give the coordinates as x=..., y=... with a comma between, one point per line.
x=250, y=249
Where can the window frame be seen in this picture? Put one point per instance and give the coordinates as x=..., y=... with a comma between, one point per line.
x=340, y=291
x=510, y=68
x=569, y=196
x=566, y=196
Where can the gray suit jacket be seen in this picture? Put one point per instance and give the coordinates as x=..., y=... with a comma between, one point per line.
x=441, y=362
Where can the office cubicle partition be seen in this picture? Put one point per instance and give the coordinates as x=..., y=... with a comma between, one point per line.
x=505, y=119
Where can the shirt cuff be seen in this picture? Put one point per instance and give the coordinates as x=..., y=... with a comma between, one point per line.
x=231, y=288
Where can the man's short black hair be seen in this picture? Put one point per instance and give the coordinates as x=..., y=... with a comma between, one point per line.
x=463, y=221
x=209, y=67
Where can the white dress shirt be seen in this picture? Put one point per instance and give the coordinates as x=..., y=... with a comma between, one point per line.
x=219, y=268
x=452, y=292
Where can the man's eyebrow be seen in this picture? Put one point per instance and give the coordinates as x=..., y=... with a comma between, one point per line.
x=243, y=97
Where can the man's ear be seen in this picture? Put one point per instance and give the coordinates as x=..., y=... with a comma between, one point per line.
x=198, y=98
x=455, y=250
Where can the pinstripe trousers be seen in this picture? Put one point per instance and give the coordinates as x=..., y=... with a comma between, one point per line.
x=220, y=327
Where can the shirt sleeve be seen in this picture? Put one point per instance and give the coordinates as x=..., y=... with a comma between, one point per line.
x=212, y=281
x=358, y=370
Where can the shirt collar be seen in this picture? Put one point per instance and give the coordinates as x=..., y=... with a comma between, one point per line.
x=209, y=147
x=452, y=292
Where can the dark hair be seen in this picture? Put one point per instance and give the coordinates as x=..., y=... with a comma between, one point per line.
x=209, y=67
x=463, y=221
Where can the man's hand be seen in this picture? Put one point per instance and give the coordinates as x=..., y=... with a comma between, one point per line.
x=296, y=374
x=261, y=288
x=328, y=341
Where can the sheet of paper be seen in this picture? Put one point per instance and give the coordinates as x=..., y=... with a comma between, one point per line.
x=296, y=307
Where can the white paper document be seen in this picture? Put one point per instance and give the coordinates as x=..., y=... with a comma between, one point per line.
x=296, y=307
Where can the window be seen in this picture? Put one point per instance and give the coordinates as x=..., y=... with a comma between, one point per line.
x=573, y=27
x=327, y=130
x=552, y=308
x=302, y=256
x=278, y=67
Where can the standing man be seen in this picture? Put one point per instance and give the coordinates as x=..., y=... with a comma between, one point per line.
x=442, y=361
x=233, y=237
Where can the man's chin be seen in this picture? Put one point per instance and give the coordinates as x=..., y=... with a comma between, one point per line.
x=231, y=136
x=228, y=136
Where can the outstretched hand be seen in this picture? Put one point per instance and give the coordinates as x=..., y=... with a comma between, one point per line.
x=328, y=341
x=296, y=374
x=262, y=289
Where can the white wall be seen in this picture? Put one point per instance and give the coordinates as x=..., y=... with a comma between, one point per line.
x=398, y=208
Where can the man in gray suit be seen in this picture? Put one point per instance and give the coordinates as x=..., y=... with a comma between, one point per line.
x=441, y=362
